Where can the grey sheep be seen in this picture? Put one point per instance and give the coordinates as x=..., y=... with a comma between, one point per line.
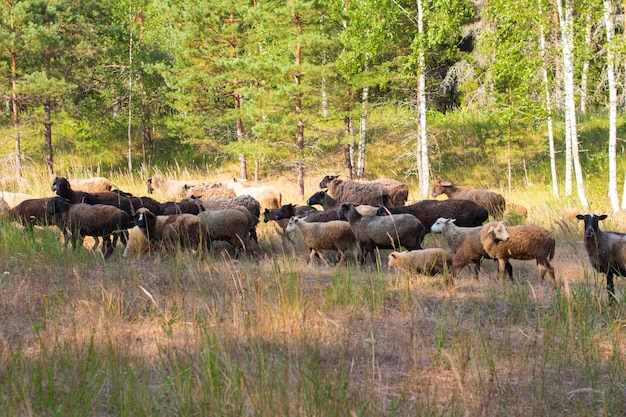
x=519, y=242
x=466, y=212
x=383, y=232
x=328, y=203
x=230, y=225
x=431, y=261
x=606, y=250
x=99, y=220
x=245, y=202
x=335, y=235
x=164, y=233
x=355, y=192
x=493, y=202
x=452, y=234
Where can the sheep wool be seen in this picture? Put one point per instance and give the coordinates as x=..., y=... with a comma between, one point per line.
x=431, y=261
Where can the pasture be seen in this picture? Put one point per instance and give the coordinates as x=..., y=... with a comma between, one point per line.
x=268, y=335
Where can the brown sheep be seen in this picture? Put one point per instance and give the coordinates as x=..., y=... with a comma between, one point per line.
x=493, y=202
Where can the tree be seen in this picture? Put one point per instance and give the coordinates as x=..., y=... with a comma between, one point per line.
x=610, y=64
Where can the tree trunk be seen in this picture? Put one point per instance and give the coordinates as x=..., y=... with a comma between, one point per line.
x=585, y=73
x=360, y=165
x=16, y=119
x=243, y=169
x=610, y=63
x=423, y=164
x=299, y=121
x=47, y=108
x=546, y=84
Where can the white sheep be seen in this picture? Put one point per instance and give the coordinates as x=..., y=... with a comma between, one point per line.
x=13, y=199
x=431, y=261
x=267, y=195
x=171, y=189
x=452, y=234
x=606, y=250
x=91, y=185
x=519, y=242
x=137, y=243
x=493, y=202
x=335, y=235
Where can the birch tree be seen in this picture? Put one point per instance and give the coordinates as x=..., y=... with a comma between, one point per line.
x=566, y=23
x=609, y=11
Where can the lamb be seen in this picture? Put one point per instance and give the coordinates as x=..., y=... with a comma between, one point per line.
x=355, y=192
x=383, y=232
x=606, y=250
x=267, y=195
x=335, y=235
x=165, y=232
x=13, y=199
x=230, y=225
x=493, y=202
x=100, y=220
x=33, y=211
x=170, y=189
x=466, y=212
x=452, y=234
x=397, y=190
x=91, y=185
x=519, y=242
x=431, y=261
x=328, y=203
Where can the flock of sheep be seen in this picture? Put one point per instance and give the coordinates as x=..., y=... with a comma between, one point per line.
x=357, y=218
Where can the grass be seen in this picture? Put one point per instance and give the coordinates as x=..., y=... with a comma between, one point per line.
x=271, y=335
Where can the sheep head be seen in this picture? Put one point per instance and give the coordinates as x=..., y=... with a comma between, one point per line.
x=592, y=226
x=327, y=179
x=498, y=232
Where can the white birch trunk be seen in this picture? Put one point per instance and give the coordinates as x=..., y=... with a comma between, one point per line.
x=423, y=138
x=585, y=74
x=610, y=63
x=542, y=46
x=360, y=170
x=568, y=131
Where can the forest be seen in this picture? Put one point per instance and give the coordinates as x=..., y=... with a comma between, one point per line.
x=425, y=86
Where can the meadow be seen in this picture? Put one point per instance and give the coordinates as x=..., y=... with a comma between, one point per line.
x=269, y=335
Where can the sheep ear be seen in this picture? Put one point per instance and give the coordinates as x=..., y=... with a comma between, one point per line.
x=446, y=183
x=604, y=216
x=393, y=255
x=580, y=217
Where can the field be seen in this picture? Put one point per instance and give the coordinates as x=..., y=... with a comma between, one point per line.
x=175, y=335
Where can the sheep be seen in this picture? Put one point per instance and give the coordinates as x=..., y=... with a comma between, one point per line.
x=13, y=199
x=206, y=192
x=170, y=189
x=606, y=250
x=519, y=242
x=383, y=232
x=230, y=225
x=251, y=207
x=13, y=183
x=91, y=185
x=493, y=202
x=397, y=190
x=431, y=261
x=119, y=199
x=355, y=192
x=79, y=220
x=466, y=212
x=187, y=205
x=328, y=203
x=335, y=235
x=270, y=215
x=4, y=207
x=33, y=211
x=267, y=195
x=164, y=233
x=287, y=211
x=471, y=251
x=452, y=234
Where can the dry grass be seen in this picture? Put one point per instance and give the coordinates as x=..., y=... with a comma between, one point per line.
x=270, y=335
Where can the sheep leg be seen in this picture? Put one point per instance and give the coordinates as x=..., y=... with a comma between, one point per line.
x=543, y=268
x=505, y=266
x=320, y=254
x=610, y=287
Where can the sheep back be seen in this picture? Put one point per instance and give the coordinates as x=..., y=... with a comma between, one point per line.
x=91, y=185
x=493, y=202
x=466, y=212
x=230, y=225
x=356, y=192
x=397, y=190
